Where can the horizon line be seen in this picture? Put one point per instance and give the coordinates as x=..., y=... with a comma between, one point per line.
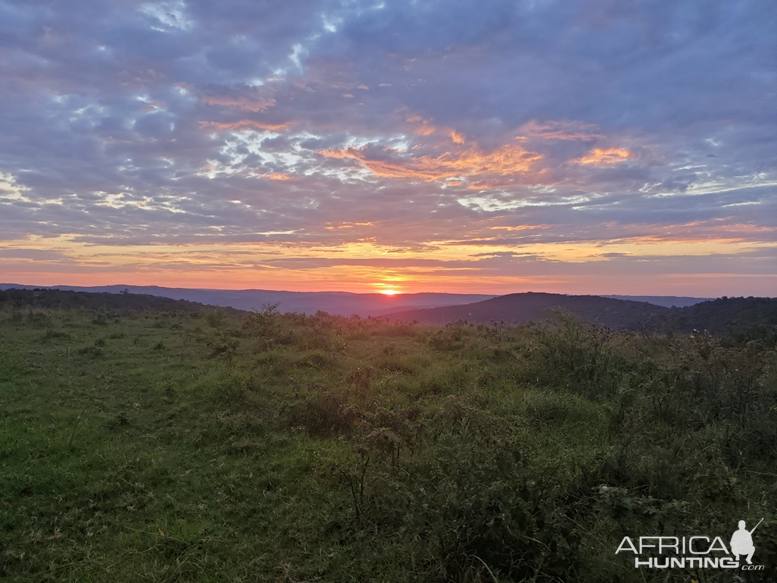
x=376, y=293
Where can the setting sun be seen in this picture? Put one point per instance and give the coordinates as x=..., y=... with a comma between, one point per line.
x=388, y=292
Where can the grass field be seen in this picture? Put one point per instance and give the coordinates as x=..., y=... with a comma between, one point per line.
x=214, y=445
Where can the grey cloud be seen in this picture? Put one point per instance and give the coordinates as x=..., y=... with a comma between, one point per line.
x=100, y=102
x=34, y=254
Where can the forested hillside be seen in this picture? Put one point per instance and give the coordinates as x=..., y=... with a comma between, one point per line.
x=750, y=316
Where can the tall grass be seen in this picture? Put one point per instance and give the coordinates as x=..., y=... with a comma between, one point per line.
x=226, y=446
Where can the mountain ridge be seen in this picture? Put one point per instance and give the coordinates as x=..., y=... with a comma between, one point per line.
x=749, y=317
x=526, y=307
x=722, y=314
x=336, y=303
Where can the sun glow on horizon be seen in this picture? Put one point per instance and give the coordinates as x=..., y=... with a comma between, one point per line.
x=389, y=292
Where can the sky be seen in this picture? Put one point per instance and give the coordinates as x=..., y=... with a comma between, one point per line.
x=582, y=147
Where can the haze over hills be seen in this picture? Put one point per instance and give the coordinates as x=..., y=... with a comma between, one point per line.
x=337, y=303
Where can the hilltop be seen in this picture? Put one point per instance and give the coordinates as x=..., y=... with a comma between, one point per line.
x=722, y=315
x=523, y=308
x=64, y=299
x=756, y=317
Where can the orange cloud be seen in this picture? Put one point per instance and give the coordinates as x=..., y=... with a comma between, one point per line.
x=277, y=176
x=347, y=225
x=709, y=231
x=605, y=157
x=519, y=227
x=260, y=104
x=242, y=126
x=560, y=130
x=424, y=129
x=457, y=137
x=508, y=160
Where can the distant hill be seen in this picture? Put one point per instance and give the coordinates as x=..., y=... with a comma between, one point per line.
x=750, y=318
x=533, y=307
x=65, y=299
x=337, y=303
x=717, y=316
x=665, y=301
x=721, y=315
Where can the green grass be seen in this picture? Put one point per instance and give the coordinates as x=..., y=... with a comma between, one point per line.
x=220, y=446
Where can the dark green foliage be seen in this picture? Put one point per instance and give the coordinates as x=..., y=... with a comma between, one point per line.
x=743, y=318
x=323, y=415
x=100, y=320
x=449, y=338
x=116, y=303
x=572, y=355
x=55, y=335
x=746, y=318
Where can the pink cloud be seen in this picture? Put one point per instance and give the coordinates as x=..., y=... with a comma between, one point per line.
x=560, y=130
x=506, y=162
x=605, y=157
x=259, y=104
x=243, y=125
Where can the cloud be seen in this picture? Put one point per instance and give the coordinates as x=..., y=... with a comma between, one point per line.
x=500, y=126
x=33, y=254
x=258, y=104
x=605, y=157
x=560, y=130
x=277, y=176
x=242, y=125
x=505, y=161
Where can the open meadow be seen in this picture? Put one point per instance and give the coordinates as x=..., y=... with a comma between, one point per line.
x=175, y=442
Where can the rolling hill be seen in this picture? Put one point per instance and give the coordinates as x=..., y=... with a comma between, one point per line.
x=336, y=303
x=665, y=301
x=758, y=316
x=721, y=315
x=528, y=307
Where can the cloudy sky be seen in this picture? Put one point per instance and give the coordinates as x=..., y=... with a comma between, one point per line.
x=595, y=146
